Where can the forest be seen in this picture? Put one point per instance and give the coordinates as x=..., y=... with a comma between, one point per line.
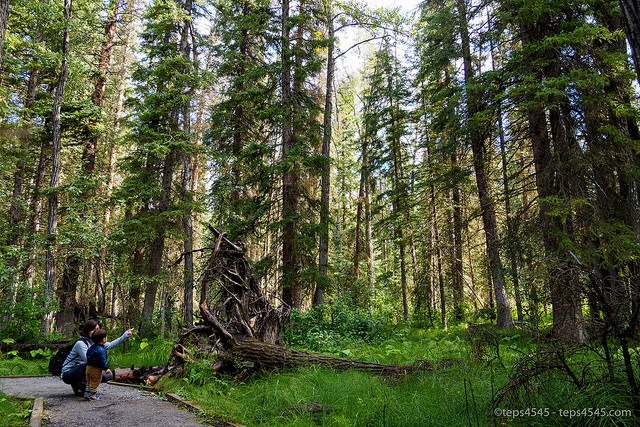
x=453, y=182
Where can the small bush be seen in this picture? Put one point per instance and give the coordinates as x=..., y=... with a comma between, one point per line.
x=13, y=411
x=22, y=321
x=331, y=325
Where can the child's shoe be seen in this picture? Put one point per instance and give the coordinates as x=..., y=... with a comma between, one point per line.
x=92, y=396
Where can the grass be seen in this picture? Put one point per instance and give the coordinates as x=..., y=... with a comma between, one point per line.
x=354, y=398
x=24, y=366
x=14, y=411
x=456, y=393
x=140, y=353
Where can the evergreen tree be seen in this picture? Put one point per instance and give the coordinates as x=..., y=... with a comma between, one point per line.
x=385, y=122
x=165, y=78
x=241, y=135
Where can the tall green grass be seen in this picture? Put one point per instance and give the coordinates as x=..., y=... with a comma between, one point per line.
x=441, y=397
x=458, y=392
x=140, y=353
x=23, y=366
x=13, y=411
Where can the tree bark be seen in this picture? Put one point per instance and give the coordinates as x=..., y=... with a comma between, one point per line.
x=65, y=318
x=511, y=252
x=157, y=246
x=369, y=238
x=436, y=248
x=189, y=196
x=114, y=119
x=4, y=17
x=399, y=206
x=567, y=315
x=16, y=214
x=291, y=286
x=325, y=185
x=35, y=207
x=259, y=355
x=52, y=225
x=457, y=269
x=631, y=11
x=504, y=317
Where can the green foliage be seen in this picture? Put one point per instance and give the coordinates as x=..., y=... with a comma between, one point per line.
x=11, y=354
x=24, y=365
x=333, y=324
x=141, y=352
x=42, y=353
x=14, y=411
x=22, y=320
x=457, y=392
x=353, y=398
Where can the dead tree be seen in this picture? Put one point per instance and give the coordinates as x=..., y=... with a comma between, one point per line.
x=241, y=330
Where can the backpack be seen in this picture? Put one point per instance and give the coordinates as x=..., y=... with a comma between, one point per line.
x=57, y=360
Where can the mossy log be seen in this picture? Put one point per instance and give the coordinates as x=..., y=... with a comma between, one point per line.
x=260, y=355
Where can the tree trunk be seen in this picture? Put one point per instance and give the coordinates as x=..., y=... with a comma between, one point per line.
x=510, y=231
x=631, y=11
x=65, y=318
x=291, y=286
x=157, y=246
x=511, y=252
x=504, y=318
x=4, y=17
x=259, y=355
x=359, y=209
x=16, y=215
x=436, y=247
x=457, y=270
x=189, y=195
x=52, y=226
x=567, y=316
x=399, y=206
x=325, y=186
x=192, y=189
x=35, y=207
x=369, y=239
x=90, y=146
x=123, y=61
x=568, y=323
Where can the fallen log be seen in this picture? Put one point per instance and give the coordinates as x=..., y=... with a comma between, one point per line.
x=148, y=375
x=260, y=355
x=23, y=348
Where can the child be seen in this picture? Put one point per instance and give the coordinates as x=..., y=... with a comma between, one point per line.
x=96, y=363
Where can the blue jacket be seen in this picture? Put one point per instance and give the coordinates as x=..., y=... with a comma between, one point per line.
x=97, y=356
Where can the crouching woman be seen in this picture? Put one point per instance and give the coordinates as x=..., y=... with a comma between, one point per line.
x=75, y=365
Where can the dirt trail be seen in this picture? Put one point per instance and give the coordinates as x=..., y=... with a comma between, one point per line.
x=120, y=406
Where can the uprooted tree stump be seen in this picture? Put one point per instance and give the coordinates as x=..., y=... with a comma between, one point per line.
x=242, y=330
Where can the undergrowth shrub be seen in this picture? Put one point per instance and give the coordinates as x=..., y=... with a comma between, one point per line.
x=332, y=324
x=14, y=411
x=142, y=352
x=22, y=320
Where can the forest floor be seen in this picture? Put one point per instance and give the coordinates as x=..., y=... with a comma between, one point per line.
x=120, y=406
